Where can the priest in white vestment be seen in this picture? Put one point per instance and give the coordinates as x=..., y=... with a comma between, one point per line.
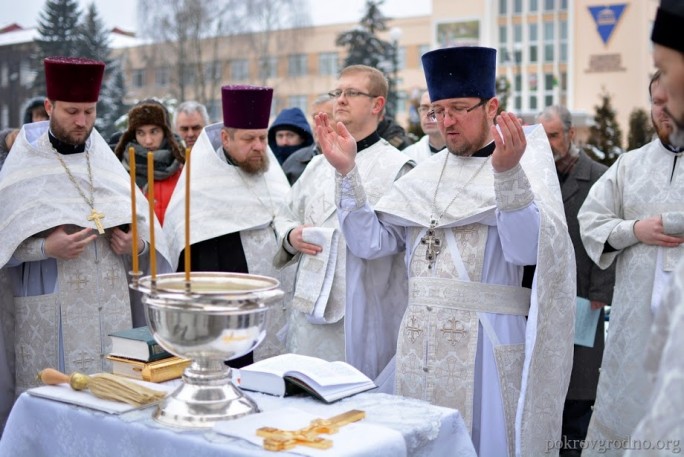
x=634, y=216
x=662, y=426
x=469, y=219
x=66, y=245
x=432, y=141
x=236, y=186
x=333, y=315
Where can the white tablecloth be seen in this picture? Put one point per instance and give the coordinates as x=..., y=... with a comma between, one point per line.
x=39, y=427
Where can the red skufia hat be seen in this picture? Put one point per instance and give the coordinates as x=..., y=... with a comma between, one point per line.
x=246, y=107
x=73, y=79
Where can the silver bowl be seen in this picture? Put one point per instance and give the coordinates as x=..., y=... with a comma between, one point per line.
x=213, y=318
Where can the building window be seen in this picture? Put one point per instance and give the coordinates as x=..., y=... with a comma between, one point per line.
x=503, y=7
x=161, y=76
x=517, y=7
x=214, y=109
x=213, y=71
x=548, y=41
x=268, y=67
x=239, y=70
x=328, y=64
x=296, y=65
x=533, y=102
x=533, y=38
x=548, y=100
x=549, y=5
x=563, y=5
x=534, y=6
x=517, y=33
x=298, y=101
x=4, y=116
x=503, y=46
x=138, y=78
x=563, y=43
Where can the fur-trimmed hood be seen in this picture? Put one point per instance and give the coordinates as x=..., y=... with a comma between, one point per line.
x=149, y=114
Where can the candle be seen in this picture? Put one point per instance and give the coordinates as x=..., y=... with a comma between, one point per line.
x=187, y=215
x=150, y=200
x=134, y=217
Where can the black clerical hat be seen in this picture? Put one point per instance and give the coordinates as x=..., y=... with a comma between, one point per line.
x=463, y=71
x=668, y=25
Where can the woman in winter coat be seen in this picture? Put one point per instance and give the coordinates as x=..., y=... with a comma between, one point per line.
x=149, y=131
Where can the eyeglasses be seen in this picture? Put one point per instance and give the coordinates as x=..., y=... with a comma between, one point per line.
x=437, y=114
x=423, y=109
x=348, y=93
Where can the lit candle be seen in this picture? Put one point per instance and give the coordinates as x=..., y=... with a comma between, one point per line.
x=150, y=200
x=134, y=217
x=187, y=215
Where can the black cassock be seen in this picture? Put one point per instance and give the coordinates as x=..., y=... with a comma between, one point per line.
x=223, y=253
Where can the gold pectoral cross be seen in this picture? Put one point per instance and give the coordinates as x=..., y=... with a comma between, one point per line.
x=282, y=440
x=434, y=245
x=95, y=216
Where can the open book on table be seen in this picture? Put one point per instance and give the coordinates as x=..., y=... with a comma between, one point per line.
x=290, y=373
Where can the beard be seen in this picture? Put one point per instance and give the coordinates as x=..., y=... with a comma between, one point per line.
x=254, y=168
x=676, y=136
x=75, y=138
x=468, y=148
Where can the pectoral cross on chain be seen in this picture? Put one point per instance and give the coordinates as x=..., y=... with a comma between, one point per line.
x=283, y=440
x=95, y=216
x=434, y=244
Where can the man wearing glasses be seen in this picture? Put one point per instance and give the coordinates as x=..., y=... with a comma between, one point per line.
x=327, y=318
x=470, y=218
x=433, y=141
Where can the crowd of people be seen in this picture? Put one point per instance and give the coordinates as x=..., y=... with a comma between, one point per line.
x=459, y=264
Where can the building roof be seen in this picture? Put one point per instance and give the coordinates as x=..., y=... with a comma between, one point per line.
x=14, y=34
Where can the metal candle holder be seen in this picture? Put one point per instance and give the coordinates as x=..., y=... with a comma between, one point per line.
x=216, y=317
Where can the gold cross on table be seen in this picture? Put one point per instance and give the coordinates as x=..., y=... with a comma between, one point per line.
x=283, y=440
x=434, y=245
x=95, y=216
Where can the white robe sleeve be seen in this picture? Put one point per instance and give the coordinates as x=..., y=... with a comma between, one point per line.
x=366, y=236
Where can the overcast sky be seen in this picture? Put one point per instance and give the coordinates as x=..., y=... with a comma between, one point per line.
x=121, y=13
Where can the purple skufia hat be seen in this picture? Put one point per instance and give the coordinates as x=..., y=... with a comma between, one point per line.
x=73, y=79
x=246, y=107
x=460, y=72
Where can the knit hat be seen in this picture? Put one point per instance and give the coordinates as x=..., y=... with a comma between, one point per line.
x=668, y=25
x=73, y=79
x=460, y=72
x=246, y=107
x=148, y=114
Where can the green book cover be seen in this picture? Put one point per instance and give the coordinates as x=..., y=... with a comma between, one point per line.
x=137, y=343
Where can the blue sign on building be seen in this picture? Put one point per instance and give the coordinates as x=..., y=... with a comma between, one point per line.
x=606, y=18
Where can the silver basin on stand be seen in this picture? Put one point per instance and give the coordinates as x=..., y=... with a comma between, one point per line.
x=220, y=316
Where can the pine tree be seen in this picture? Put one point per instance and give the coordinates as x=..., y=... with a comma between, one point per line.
x=94, y=44
x=364, y=48
x=59, y=35
x=605, y=138
x=640, y=129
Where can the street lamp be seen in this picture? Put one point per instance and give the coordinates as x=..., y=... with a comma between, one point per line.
x=394, y=35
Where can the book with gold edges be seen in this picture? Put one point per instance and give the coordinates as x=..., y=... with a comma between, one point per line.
x=157, y=371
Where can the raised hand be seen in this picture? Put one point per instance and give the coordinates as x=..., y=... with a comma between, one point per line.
x=651, y=231
x=60, y=245
x=510, y=142
x=337, y=144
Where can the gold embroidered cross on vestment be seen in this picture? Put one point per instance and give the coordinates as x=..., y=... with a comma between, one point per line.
x=431, y=240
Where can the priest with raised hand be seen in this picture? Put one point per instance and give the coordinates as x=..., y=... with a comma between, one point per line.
x=470, y=218
x=65, y=217
x=236, y=186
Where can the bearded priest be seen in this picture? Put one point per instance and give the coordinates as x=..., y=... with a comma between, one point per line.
x=469, y=219
x=66, y=245
x=236, y=186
